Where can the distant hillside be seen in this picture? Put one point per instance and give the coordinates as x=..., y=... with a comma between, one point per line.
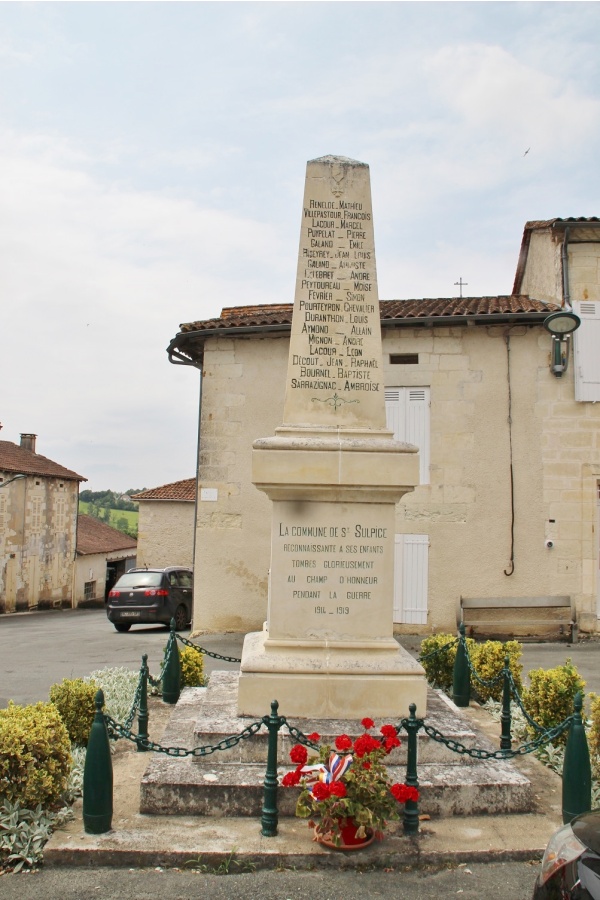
x=125, y=520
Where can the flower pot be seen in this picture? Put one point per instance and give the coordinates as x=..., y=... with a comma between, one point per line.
x=347, y=837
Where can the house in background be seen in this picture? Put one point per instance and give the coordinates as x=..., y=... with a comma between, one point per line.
x=38, y=525
x=103, y=555
x=166, y=524
x=508, y=504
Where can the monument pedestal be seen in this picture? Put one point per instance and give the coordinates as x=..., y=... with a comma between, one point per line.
x=328, y=649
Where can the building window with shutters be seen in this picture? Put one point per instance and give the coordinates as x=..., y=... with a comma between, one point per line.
x=89, y=590
x=407, y=415
x=585, y=350
x=36, y=514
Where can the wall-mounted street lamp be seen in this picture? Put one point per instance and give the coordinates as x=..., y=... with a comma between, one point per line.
x=10, y=480
x=561, y=325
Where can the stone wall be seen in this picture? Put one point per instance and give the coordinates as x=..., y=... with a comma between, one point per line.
x=165, y=533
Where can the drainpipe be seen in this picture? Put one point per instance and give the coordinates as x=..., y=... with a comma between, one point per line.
x=565, y=271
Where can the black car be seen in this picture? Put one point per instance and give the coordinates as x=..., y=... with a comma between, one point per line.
x=571, y=863
x=150, y=597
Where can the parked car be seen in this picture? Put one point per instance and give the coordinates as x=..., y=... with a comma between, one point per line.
x=571, y=864
x=151, y=596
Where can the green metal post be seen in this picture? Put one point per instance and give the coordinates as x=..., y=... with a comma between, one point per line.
x=171, y=686
x=461, y=678
x=577, y=772
x=505, y=717
x=410, y=819
x=270, y=814
x=98, y=776
x=143, y=708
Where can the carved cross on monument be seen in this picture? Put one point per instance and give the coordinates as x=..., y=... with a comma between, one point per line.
x=334, y=474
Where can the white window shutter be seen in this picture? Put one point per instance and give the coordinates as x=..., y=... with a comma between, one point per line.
x=411, y=578
x=407, y=414
x=586, y=351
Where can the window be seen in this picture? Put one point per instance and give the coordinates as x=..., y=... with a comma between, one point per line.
x=585, y=351
x=407, y=413
x=59, y=514
x=89, y=590
x=411, y=578
x=36, y=514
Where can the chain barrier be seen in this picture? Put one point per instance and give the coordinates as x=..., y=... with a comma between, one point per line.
x=120, y=731
x=136, y=701
x=517, y=698
x=187, y=643
x=477, y=753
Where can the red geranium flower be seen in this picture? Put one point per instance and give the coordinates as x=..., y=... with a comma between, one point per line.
x=388, y=731
x=402, y=792
x=291, y=779
x=343, y=742
x=321, y=791
x=366, y=765
x=367, y=723
x=314, y=737
x=366, y=743
x=337, y=789
x=299, y=754
x=390, y=743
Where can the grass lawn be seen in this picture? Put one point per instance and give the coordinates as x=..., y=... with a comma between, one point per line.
x=115, y=515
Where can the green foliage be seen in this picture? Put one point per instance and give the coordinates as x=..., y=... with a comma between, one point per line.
x=192, y=667
x=23, y=833
x=34, y=755
x=119, y=686
x=122, y=517
x=594, y=733
x=439, y=666
x=549, y=698
x=488, y=661
x=486, y=658
x=74, y=699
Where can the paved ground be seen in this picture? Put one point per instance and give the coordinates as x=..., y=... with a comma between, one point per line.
x=491, y=881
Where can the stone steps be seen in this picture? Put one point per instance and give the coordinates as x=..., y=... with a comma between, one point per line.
x=230, y=783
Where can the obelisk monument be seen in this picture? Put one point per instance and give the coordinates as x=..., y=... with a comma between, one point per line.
x=334, y=474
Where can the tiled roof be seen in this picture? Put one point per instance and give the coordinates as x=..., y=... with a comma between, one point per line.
x=281, y=313
x=17, y=459
x=558, y=225
x=94, y=536
x=177, y=490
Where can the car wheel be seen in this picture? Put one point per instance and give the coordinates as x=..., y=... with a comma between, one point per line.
x=122, y=626
x=181, y=618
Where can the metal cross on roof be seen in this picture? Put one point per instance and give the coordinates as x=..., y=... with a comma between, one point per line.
x=461, y=284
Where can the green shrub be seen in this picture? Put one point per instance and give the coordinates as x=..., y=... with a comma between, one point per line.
x=34, y=755
x=74, y=699
x=488, y=661
x=594, y=733
x=439, y=668
x=549, y=698
x=192, y=667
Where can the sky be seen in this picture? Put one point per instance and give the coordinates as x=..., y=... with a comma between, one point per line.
x=152, y=163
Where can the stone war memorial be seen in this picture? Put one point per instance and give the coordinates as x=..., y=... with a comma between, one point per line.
x=334, y=474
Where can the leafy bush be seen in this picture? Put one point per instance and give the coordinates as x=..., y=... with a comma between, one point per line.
x=23, y=833
x=119, y=685
x=192, y=667
x=439, y=667
x=34, y=755
x=549, y=698
x=74, y=699
x=594, y=733
x=488, y=661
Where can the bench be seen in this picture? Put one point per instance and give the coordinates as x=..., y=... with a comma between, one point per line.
x=520, y=618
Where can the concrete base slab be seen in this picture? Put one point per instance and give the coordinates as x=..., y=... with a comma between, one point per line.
x=331, y=680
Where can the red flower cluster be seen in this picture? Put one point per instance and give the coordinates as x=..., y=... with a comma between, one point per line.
x=367, y=723
x=314, y=737
x=291, y=779
x=364, y=744
x=343, y=742
x=321, y=791
x=299, y=754
x=402, y=792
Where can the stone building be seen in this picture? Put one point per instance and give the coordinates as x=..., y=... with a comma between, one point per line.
x=166, y=524
x=103, y=555
x=38, y=526
x=509, y=440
